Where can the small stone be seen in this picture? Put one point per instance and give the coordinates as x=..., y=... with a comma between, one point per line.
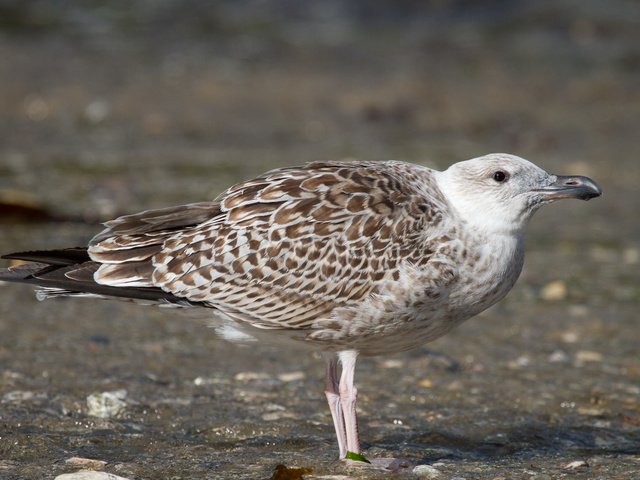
x=455, y=386
x=11, y=375
x=216, y=380
x=520, y=362
x=558, y=356
x=276, y=412
x=426, y=471
x=591, y=411
x=631, y=420
x=632, y=389
x=283, y=472
x=576, y=464
x=602, y=424
x=89, y=475
x=17, y=396
x=554, y=291
x=432, y=415
x=603, y=255
x=36, y=108
x=86, y=463
x=425, y=383
x=291, y=376
x=106, y=404
x=392, y=363
x=631, y=256
x=588, y=356
x=272, y=416
x=96, y=111
x=569, y=337
x=251, y=376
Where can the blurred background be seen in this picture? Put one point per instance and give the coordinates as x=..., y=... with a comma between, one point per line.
x=112, y=107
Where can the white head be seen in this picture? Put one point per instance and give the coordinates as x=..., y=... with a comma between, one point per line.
x=498, y=193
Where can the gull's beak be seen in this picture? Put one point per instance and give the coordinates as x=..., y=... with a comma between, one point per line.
x=571, y=187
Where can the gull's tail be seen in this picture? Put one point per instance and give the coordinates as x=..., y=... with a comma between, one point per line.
x=69, y=272
x=122, y=252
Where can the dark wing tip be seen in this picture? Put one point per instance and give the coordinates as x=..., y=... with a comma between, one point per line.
x=61, y=257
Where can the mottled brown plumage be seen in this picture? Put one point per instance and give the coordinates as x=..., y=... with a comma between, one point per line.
x=288, y=249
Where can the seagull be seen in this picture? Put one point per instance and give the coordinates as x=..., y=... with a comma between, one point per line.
x=347, y=258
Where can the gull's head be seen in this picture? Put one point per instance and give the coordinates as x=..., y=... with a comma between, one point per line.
x=500, y=192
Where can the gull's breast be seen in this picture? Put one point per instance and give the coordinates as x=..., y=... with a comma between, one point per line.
x=423, y=303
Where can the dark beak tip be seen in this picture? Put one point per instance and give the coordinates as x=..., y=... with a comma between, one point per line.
x=589, y=195
x=592, y=190
x=579, y=187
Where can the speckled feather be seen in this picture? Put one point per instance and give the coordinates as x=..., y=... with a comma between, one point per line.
x=343, y=255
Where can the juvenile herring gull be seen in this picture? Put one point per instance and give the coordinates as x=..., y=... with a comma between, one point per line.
x=357, y=258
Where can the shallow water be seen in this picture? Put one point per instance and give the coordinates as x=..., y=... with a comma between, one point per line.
x=107, y=112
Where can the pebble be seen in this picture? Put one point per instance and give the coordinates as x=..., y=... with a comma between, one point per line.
x=554, y=291
x=591, y=411
x=276, y=412
x=558, y=356
x=603, y=255
x=392, y=363
x=588, y=356
x=522, y=361
x=86, y=463
x=426, y=471
x=96, y=111
x=569, y=337
x=89, y=475
x=455, y=386
x=11, y=375
x=36, y=108
x=17, y=396
x=251, y=376
x=575, y=465
x=291, y=376
x=200, y=381
x=274, y=407
x=106, y=404
x=631, y=256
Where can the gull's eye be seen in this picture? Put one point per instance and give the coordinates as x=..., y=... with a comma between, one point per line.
x=500, y=176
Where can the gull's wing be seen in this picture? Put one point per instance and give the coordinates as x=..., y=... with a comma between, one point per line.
x=285, y=248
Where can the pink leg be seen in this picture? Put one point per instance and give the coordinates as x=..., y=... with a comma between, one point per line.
x=348, y=395
x=333, y=397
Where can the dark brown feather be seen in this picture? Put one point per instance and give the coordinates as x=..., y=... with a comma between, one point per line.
x=78, y=279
